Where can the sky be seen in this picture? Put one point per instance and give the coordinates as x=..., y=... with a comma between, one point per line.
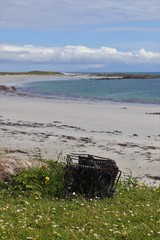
x=80, y=35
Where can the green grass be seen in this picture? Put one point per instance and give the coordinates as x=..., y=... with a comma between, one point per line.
x=133, y=213
x=30, y=73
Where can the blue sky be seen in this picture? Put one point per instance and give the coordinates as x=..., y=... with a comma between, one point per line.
x=80, y=35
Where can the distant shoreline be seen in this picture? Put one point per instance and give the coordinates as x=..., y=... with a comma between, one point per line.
x=100, y=76
x=31, y=73
x=14, y=84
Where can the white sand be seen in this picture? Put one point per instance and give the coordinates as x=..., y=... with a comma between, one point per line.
x=123, y=132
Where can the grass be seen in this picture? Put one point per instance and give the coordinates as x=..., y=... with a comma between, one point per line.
x=133, y=213
x=31, y=73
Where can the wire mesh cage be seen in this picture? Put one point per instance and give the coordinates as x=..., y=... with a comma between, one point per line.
x=91, y=176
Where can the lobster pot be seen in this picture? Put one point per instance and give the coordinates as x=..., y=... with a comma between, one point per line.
x=90, y=176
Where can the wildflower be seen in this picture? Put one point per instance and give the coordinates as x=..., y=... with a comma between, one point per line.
x=37, y=195
x=105, y=224
x=46, y=180
x=55, y=225
x=27, y=203
x=96, y=235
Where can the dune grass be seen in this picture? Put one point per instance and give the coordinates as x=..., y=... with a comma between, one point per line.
x=31, y=73
x=38, y=213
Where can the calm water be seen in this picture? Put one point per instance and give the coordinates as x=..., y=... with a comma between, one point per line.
x=121, y=90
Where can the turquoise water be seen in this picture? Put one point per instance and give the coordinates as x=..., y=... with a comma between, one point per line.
x=120, y=90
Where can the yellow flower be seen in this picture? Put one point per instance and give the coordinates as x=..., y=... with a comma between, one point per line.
x=46, y=180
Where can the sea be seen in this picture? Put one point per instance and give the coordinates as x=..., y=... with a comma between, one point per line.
x=94, y=89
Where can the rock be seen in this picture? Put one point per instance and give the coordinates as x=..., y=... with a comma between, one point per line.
x=135, y=135
x=9, y=166
x=7, y=88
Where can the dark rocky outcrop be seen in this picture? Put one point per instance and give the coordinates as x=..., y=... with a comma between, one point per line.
x=106, y=76
x=7, y=88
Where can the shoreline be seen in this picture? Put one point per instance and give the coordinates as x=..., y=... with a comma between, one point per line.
x=127, y=133
x=17, y=81
x=102, y=75
x=11, y=78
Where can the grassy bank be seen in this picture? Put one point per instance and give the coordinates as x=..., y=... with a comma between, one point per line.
x=133, y=213
x=31, y=73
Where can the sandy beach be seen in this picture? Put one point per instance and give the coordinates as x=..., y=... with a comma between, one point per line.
x=127, y=133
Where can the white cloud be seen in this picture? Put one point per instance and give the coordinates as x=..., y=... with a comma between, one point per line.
x=72, y=55
x=55, y=14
